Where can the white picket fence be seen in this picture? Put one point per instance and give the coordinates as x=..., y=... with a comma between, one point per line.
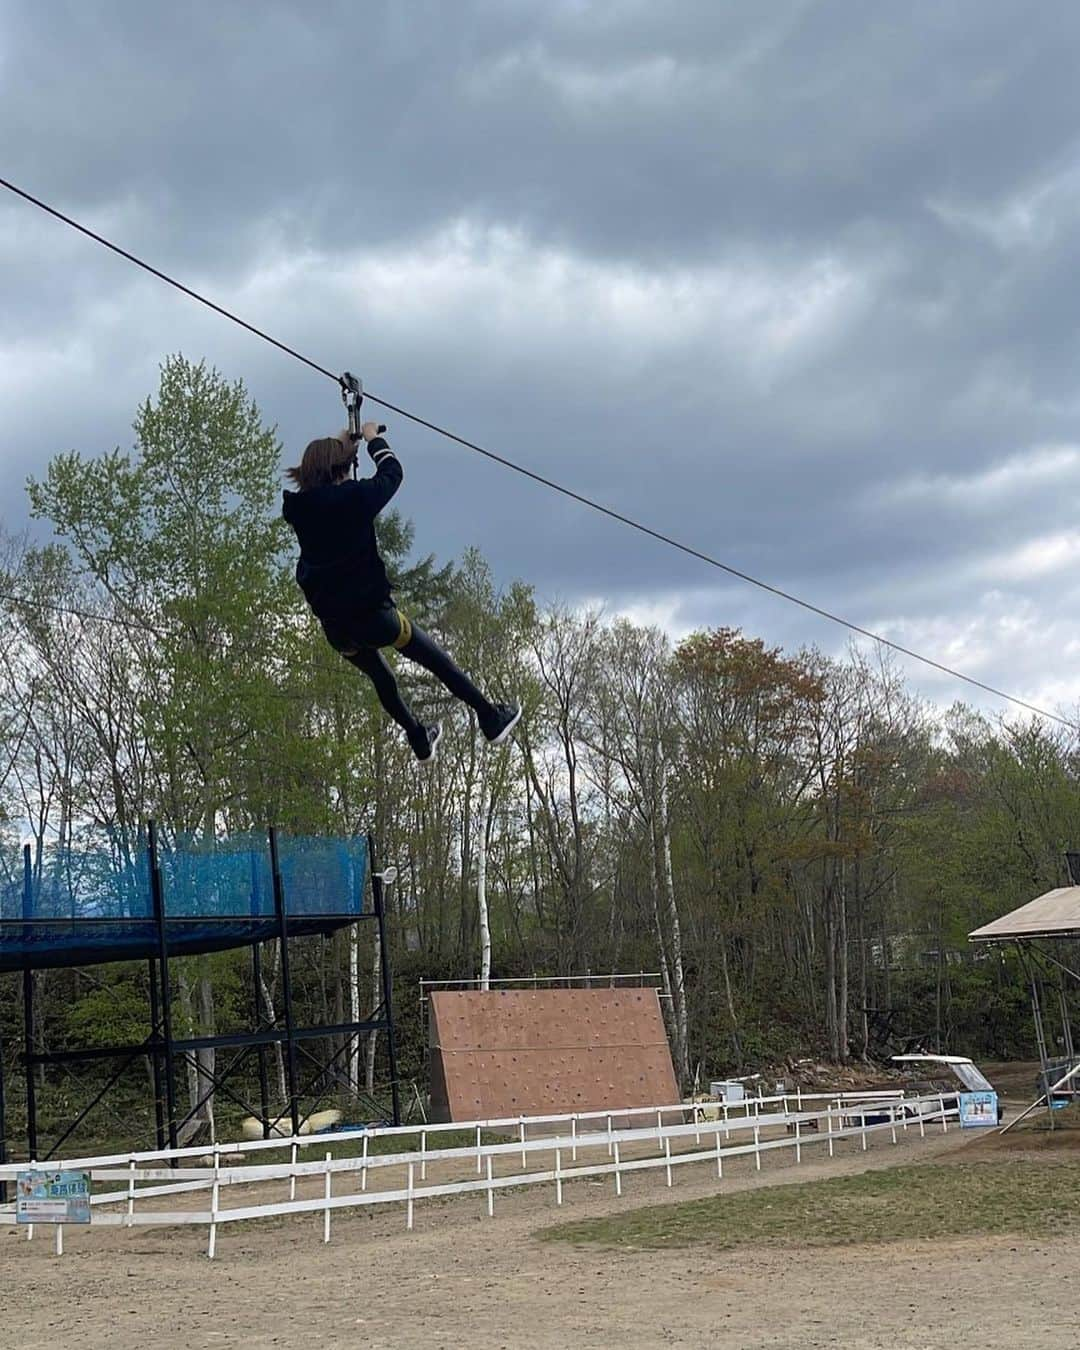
x=178, y=1172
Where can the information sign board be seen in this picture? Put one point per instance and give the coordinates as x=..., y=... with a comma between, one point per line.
x=52, y=1197
x=978, y=1108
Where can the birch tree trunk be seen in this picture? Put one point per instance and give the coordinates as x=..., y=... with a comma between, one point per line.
x=843, y=957
x=271, y=1018
x=482, y=833
x=206, y=1056
x=682, y=1030
x=670, y=1020
x=201, y=1063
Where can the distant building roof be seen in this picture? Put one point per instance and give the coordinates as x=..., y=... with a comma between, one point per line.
x=1053, y=915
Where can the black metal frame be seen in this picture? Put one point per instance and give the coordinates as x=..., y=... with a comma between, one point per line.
x=164, y=1048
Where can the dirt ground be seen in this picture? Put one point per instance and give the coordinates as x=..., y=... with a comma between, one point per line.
x=463, y=1279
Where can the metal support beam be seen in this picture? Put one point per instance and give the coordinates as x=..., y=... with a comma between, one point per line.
x=158, y=897
x=227, y=1039
x=155, y=1057
x=91, y=1052
x=218, y=1083
x=1066, y=1023
x=100, y=1095
x=167, y=1054
x=379, y=899
x=286, y=980
x=264, y=1085
x=222, y=1041
x=1023, y=951
x=1053, y=960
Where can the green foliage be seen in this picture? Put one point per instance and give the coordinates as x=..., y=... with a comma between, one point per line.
x=179, y=535
x=110, y=1010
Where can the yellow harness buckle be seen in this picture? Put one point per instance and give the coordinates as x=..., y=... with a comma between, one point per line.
x=404, y=636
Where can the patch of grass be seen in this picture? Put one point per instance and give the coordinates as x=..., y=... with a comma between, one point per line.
x=931, y=1201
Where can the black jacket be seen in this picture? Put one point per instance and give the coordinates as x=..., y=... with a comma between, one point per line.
x=340, y=571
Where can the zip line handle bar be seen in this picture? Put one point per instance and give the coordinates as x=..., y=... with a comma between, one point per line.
x=352, y=395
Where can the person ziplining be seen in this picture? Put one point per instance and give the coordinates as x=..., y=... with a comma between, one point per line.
x=344, y=579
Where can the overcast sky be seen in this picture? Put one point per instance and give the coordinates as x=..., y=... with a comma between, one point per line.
x=794, y=281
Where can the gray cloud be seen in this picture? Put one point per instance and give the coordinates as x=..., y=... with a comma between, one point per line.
x=790, y=282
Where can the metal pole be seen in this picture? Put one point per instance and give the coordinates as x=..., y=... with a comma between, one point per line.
x=157, y=895
x=1052, y=960
x=155, y=1055
x=1036, y=1006
x=1066, y=1023
x=28, y=1013
x=264, y=1086
x=286, y=981
x=387, y=982
x=257, y=907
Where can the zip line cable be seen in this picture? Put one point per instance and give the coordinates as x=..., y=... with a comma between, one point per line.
x=554, y=486
x=161, y=276
x=119, y=622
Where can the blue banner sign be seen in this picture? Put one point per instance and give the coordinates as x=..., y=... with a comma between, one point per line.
x=978, y=1108
x=52, y=1197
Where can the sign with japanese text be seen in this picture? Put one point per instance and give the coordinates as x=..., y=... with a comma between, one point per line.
x=52, y=1197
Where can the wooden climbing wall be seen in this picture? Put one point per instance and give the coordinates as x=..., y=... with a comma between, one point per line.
x=547, y=1051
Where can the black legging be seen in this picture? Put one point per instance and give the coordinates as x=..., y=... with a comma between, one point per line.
x=421, y=649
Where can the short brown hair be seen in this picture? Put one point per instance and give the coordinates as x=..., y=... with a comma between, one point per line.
x=324, y=461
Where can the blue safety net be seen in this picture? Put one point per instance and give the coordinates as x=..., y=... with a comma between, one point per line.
x=90, y=879
x=220, y=879
x=322, y=876
x=11, y=877
x=93, y=900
